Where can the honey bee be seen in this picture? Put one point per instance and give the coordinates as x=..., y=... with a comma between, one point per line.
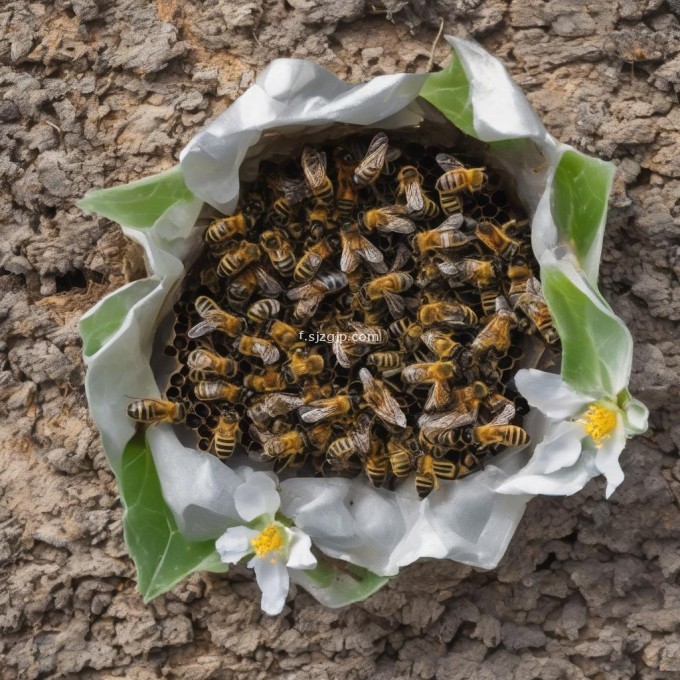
x=376, y=463
x=371, y=165
x=356, y=248
x=407, y=333
x=494, y=339
x=388, y=363
x=401, y=452
x=449, y=313
x=242, y=288
x=319, y=221
x=346, y=195
x=387, y=287
x=491, y=435
x=446, y=235
x=519, y=273
x=279, y=251
x=284, y=335
x=429, y=470
x=214, y=390
x=290, y=192
x=349, y=346
x=154, y=411
x=445, y=347
x=411, y=189
x=357, y=442
x=226, y=434
x=238, y=258
x=252, y=346
x=388, y=219
x=331, y=407
x=533, y=305
x=302, y=365
x=269, y=380
x=378, y=398
x=263, y=310
x=314, y=168
x=310, y=262
x=457, y=177
x=437, y=374
x=214, y=318
x=204, y=360
x=480, y=273
x=272, y=406
x=310, y=295
x=496, y=238
x=283, y=449
x=225, y=228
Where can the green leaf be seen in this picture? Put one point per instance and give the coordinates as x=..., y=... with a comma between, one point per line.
x=579, y=205
x=163, y=557
x=449, y=91
x=336, y=584
x=596, y=345
x=138, y=204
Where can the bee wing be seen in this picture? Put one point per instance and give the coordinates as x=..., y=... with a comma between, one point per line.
x=447, y=162
x=398, y=225
x=452, y=222
x=201, y=328
x=318, y=410
x=401, y=257
x=414, y=373
x=280, y=403
x=415, y=202
x=374, y=159
x=259, y=435
x=307, y=306
x=298, y=292
x=369, y=252
x=267, y=283
x=504, y=416
x=293, y=191
x=349, y=260
x=395, y=304
x=388, y=410
x=450, y=267
x=447, y=421
x=438, y=396
x=534, y=287
x=314, y=166
x=268, y=353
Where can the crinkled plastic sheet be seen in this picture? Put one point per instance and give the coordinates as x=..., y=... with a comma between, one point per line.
x=467, y=520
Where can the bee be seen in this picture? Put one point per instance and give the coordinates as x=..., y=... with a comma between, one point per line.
x=371, y=165
x=226, y=434
x=378, y=398
x=269, y=380
x=272, y=406
x=376, y=463
x=519, y=273
x=254, y=206
x=480, y=273
x=238, y=258
x=153, y=411
x=242, y=288
x=387, y=287
x=350, y=345
x=447, y=235
x=429, y=470
x=356, y=248
x=494, y=339
x=279, y=251
x=302, y=365
x=263, y=310
x=437, y=374
x=533, y=305
x=388, y=219
x=310, y=295
x=401, y=452
x=204, y=360
x=252, y=346
x=284, y=335
x=319, y=221
x=314, y=168
x=466, y=401
x=310, y=262
x=491, y=435
x=331, y=407
x=449, y=313
x=457, y=177
x=214, y=318
x=290, y=192
x=346, y=195
x=226, y=227
x=214, y=390
x=496, y=238
x=411, y=189
x=283, y=449
x=295, y=230
x=357, y=442
x=445, y=347
x=407, y=333
x=388, y=363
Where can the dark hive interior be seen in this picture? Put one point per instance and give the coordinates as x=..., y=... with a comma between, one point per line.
x=362, y=313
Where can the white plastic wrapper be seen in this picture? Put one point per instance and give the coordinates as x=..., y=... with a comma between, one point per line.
x=468, y=520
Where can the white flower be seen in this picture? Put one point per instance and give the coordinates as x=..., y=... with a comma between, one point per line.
x=275, y=547
x=585, y=436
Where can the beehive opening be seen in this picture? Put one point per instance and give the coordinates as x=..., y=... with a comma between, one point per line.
x=363, y=312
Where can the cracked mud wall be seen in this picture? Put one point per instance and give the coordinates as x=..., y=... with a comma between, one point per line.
x=102, y=92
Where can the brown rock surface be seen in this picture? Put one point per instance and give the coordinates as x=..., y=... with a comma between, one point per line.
x=101, y=92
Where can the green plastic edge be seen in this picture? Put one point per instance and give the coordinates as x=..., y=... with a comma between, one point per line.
x=138, y=204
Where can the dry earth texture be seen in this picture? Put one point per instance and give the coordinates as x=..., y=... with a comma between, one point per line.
x=102, y=92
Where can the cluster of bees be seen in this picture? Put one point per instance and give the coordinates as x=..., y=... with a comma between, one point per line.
x=362, y=312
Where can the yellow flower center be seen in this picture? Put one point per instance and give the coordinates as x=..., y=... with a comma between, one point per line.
x=267, y=540
x=599, y=423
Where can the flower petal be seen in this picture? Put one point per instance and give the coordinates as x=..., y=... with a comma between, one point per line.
x=257, y=496
x=607, y=457
x=234, y=544
x=272, y=577
x=549, y=393
x=635, y=416
x=299, y=550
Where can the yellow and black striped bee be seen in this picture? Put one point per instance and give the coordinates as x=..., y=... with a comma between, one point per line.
x=371, y=165
x=279, y=251
x=309, y=264
x=429, y=470
x=491, y=435
x=226, y=434
x=225, y=228
x=154, y=411
x=447, y=235
x=204, y=360
x=314, y=168
x=218, y=390
x=263, y=310
x=214, y=318
x=301, y=365
x=418, y=203
x=457, y=177
x=237, y=258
